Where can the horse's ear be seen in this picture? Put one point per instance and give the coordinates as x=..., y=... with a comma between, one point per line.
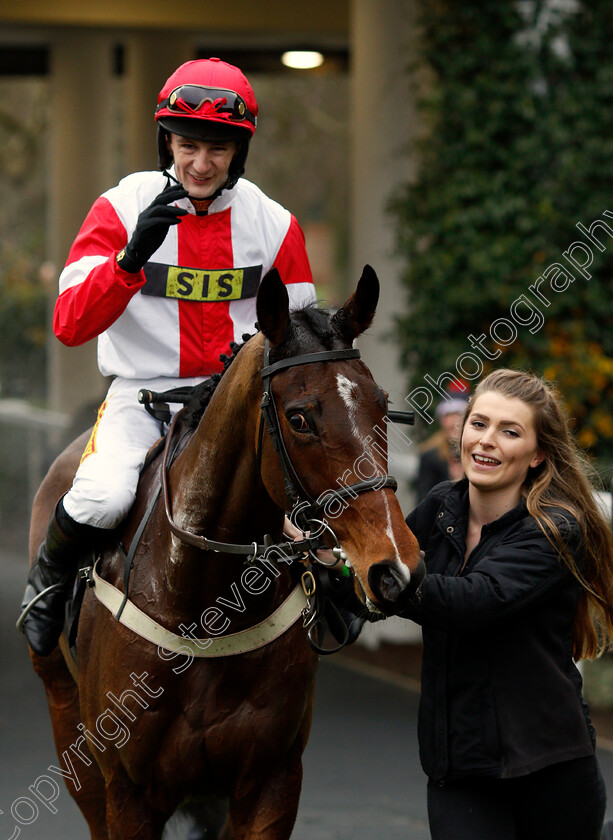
x=272, y=307
x=357, y=313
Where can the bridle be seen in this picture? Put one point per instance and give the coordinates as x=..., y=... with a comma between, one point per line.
x=309, y=508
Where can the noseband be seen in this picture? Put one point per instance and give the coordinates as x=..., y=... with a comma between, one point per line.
x=308, y=509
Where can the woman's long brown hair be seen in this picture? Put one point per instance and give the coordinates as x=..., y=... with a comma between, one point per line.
x=563, y=480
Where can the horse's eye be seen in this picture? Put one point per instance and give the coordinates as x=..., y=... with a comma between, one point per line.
x=298, y=422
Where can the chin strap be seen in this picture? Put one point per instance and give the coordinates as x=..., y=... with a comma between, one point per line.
x=229, y=185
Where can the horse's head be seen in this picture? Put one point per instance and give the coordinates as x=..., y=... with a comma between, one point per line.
x=332, y=420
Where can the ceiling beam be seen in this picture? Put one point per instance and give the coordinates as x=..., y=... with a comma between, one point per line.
x=308, y=17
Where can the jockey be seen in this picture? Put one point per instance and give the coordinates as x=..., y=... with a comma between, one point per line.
x=164, y=271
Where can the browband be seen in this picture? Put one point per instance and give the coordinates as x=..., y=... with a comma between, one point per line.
x=322, y=356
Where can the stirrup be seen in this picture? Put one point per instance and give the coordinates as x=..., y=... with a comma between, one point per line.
x=26, y=610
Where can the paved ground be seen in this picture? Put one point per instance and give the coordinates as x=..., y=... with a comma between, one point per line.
x=362, y=775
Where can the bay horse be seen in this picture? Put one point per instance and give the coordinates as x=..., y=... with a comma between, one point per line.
x=140, y=729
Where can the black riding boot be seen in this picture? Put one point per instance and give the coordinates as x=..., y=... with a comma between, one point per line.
x=55, y=566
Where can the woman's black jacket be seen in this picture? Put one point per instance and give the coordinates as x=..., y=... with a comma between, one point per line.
x=501, y=695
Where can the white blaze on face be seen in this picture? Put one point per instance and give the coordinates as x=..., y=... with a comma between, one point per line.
x=349, y=392
x=390, y=534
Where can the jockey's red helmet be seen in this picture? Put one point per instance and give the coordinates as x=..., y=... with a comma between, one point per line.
x=208, y=99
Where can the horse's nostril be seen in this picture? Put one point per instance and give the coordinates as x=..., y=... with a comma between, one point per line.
x=388, y=581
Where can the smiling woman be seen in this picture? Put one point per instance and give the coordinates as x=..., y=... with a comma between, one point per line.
x=519, y=581
x=498, y=448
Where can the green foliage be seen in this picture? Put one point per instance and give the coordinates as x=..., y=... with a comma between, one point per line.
x=517, y=100
x=23, y=316
x=23, y=297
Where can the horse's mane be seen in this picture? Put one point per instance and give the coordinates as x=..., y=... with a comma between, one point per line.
x=313, y=330
x=201, y=395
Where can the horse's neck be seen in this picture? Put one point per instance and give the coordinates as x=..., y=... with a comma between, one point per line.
x=215, y=484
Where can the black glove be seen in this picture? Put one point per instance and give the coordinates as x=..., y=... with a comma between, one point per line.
x=151, y=229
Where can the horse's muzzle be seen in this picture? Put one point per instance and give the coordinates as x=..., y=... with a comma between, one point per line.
x=393, y=584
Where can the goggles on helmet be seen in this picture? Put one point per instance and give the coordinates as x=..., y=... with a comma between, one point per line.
x=207, y=102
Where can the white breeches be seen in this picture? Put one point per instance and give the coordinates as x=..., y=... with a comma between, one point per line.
x=104, y=486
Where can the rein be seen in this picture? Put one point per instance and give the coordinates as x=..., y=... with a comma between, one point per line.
x=250, y=551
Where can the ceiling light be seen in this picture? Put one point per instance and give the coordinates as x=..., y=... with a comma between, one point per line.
x=302, y=59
